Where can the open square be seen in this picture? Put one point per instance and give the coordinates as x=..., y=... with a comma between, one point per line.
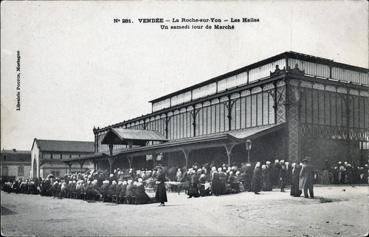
x=336, y=211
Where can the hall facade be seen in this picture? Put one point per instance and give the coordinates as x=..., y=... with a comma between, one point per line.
x=287, y=107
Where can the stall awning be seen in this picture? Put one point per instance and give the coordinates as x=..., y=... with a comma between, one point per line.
x=133, y=136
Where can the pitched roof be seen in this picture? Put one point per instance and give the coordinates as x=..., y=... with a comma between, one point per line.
x=65, y=146
x=133, y=135
x=15, y=155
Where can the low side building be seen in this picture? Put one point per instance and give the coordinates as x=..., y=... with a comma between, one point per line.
x=53, y=157
x=15, y=164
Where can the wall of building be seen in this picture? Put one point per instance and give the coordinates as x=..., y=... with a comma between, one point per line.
x=334, y=106
x=52, y=162
x=59, y=168
x=35, y=161
x=16, y=170
x=327, y=122
x=332, y=150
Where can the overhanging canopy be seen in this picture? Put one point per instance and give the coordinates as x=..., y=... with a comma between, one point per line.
x=131, y=136
x=205, y=141
x=254, y=132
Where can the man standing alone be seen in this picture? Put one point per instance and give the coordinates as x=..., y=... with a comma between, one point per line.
x=307, y=178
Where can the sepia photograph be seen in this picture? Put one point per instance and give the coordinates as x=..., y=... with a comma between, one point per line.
x=184, y=118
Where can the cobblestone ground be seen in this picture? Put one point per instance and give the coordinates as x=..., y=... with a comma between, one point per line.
x=336, y=211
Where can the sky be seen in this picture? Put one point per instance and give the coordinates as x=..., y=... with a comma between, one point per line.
x=78, y=69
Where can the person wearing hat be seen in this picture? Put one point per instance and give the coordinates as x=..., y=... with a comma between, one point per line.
x=265, y=170
x=257, y=181
x=161, y=192
x=223, y=179
x=306, y=178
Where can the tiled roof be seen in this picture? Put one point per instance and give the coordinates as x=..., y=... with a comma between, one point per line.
x=65, y=146
x=15, y=155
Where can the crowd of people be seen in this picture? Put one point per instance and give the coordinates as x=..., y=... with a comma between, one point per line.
x=344, y=173
x=121, y=186
x=131, y=186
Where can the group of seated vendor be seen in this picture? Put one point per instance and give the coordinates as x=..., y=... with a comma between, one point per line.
x=130, y=186
x=120, y=187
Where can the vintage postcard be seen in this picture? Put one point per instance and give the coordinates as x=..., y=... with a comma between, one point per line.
x=184, y=118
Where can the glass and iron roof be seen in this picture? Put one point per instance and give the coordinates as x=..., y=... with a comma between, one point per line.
x=313, y=66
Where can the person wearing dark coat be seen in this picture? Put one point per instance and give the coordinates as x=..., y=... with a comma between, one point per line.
x=349, y=174
x=202, y=181
x=122, y=191
x=283, y=177
x=111, y=190
x=45, y=187
x=141, y=195
x=335, y=175
x=257, y=181
x=307, y=179
x=130, y=189
x=276, y=167
x=234, y=184
x=55, y=189
x=92, y=190
x=193, y=190
x=246, y=177
x=267, y=186
x=161, y=192
x=223, y=180
x=215, y=184
x=288, y=173
x=295, y=190
x=15, y=186
x=104, y=189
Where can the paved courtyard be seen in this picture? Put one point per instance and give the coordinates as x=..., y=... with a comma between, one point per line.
x=336, y=211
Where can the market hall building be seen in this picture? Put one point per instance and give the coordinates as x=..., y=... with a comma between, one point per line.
x=288, y=106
